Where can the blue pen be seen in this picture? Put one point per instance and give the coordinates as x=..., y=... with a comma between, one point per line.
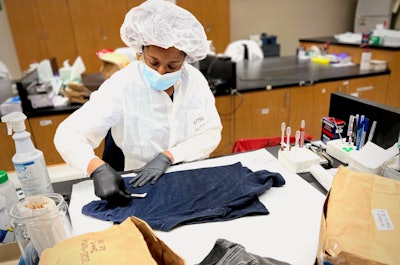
x=359, y=131
x=364, y=132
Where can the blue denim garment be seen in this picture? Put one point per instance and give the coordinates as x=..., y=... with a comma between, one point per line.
x=193, y=196
x=226, y=252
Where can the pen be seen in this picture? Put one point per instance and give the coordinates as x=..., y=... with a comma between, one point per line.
x=372, y=131
x=364, y=132
x=302, y=132
x=359, y=131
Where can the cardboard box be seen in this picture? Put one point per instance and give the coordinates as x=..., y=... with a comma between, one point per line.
x=9, y=254
x=361, y=220
x=332, y=129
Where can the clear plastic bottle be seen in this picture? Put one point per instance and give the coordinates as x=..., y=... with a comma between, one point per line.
x=28, y=161
x=8, y=197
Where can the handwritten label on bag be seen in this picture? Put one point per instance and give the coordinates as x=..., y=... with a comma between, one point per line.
x=382, y=219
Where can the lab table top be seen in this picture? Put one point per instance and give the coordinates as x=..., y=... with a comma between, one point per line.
x=279, y=72
x=267, y=73
x=333, y=40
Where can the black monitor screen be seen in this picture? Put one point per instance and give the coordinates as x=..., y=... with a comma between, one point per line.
x=387, y=118
x=22, y=85
x=220, y=73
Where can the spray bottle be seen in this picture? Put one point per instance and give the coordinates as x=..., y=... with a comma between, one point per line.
x=28, y=161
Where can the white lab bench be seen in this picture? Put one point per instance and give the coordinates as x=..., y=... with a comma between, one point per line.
x=289, y=233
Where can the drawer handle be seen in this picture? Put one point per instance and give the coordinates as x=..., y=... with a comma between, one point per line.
x=45, y=122
x=364, y=88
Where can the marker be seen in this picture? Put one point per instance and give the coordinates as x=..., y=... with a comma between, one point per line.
x=364, y=132
x=372, y=131
x=302, y=132
x=359, y=131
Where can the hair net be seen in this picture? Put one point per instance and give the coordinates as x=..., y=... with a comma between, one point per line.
x=164, y=24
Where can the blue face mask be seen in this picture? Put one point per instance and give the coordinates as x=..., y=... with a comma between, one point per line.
x=159, y=81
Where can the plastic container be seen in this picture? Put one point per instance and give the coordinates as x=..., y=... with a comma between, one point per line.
x=298, y=160
x=8, y=197
x=40, y=227
x=28, y=161
x=365, y=62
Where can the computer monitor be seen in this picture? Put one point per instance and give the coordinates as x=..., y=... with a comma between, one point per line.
x=388, y=118
x=22, y=85
x=220, y=73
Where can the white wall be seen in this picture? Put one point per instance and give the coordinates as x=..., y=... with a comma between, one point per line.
x=8, y=54
x=290, y=20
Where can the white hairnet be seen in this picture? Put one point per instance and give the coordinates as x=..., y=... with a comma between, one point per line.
x=163, y=24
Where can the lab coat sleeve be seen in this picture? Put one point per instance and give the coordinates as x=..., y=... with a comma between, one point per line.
x=199, y=145
x=78, y=135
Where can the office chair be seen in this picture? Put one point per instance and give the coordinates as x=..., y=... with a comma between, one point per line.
x=244, y=50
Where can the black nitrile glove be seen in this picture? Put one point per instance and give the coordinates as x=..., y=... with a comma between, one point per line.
x=152, y=171
x=109, y=185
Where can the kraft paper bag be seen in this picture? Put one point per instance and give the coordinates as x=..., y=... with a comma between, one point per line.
x=131, y=242
x=361, y=220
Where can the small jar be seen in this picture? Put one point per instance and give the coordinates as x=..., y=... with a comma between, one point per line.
x=8, y=197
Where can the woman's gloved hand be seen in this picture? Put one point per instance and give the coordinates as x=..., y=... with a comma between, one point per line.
x=109, y=185
x=152, y=171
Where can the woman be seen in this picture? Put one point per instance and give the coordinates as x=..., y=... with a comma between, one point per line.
x=160, y=108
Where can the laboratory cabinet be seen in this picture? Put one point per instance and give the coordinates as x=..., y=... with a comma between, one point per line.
x=389, y=54
x=251, y=115
x=43, y=129
x=64, y=29
x=96, y=26
x=214, y=16
x=41, y=29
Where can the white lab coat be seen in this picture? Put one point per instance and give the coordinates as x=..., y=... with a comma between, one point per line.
x=144, y=121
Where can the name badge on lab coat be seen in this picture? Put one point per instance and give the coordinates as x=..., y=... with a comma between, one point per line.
x=196, y=120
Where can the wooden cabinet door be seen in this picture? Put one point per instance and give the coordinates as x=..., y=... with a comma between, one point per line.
x=57, y=28
x=373, y=88
x=41, y=29
x=96, y=26
x=43, y=131
x=320, y=103
x=132, y=3
x=261, y=113
x=25, y=25
x=226, y=106
x=301, y=108
x=215, y=18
